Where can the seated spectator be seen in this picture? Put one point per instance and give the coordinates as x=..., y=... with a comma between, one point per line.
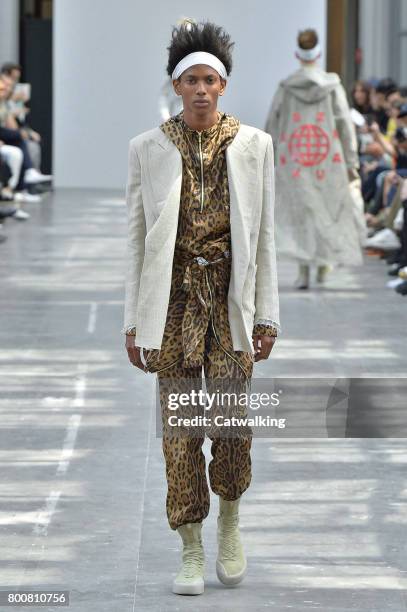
x=361, y=99
x=399, y=266
x=375, y=159
x=10, y=135
x=10, y=164
x=392, y=239
x=16, y=104
x=377, y=153
x=379, y=101
x=390, y=179
x=20, y=95
x=371, y=152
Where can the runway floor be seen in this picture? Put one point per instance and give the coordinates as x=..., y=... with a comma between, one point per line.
x=82, y=483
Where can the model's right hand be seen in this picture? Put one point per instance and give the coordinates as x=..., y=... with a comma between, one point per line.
x=134, y=352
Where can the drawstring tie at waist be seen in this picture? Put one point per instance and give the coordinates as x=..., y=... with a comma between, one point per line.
x=197, y=308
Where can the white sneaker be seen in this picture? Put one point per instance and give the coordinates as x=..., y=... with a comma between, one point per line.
x=33, y=176
x=385, y=239
x=24, y=196
x=394, y=282
x=21, y=215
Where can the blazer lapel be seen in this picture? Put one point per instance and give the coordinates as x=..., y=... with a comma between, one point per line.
x=164, y=174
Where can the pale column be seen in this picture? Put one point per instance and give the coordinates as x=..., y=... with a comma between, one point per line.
x=375, y=37
x=9, y=30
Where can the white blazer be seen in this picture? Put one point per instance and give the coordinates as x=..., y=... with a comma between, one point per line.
x=153, y=198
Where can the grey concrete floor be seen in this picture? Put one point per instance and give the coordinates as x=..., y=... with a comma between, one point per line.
x=82, y=483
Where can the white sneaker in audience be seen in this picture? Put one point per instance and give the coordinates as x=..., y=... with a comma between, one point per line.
x=385, y=239
x=394, y=282
x=21, y=215
x=24, y=196
x=33, y=176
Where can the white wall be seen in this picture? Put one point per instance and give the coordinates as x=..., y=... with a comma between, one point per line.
x=109, y=65
x=374, y=18
x=9, y=37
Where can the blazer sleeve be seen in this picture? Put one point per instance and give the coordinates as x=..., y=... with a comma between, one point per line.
x=136, y=233
x=266, y=296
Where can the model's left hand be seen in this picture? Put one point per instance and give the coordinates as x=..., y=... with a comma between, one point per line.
x=262, y=346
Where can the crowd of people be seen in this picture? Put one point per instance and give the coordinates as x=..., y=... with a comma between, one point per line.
x=21, y=179
x=379, y=111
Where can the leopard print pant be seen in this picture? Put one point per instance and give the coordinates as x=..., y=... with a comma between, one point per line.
x=230, y=468
x=188, y=497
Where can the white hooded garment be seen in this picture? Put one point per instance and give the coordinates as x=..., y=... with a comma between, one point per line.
x=316, y=220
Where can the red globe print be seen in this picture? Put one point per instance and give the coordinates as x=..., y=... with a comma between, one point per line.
x=309, y=145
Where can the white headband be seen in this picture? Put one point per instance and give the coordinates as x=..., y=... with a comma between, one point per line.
x=199, y=57
x=308, y=55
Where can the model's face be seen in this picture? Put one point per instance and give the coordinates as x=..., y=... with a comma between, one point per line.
x=200, y=86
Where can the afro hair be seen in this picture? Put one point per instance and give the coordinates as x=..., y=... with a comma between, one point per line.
x=190, y=37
